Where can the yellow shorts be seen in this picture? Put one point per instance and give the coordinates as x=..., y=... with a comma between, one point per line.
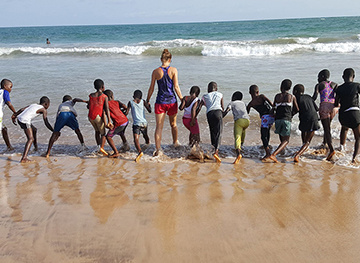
x=98, y=124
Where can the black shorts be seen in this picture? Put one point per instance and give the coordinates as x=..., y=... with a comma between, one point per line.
x=309, y=126
x=137, y=129
x=350, y=119
x=24, y=126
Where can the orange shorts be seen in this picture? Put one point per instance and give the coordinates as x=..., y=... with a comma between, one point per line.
x=170, y=109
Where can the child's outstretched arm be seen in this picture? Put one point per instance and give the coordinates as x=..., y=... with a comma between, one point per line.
x=147, y=106
x=193, y=113
x=199, y=107
x=107, y=113
x=128, y=109
x=43, y=111
x=122, y=105
x=226, y=111
x=248, y=107
x=11, y=107
x=267, y=100
x=79, y=100
x=182, y=104
x=15, y=114
x=296, y=107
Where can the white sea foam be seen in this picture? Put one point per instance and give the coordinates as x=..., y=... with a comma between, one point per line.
x=129, y=50
x=199, y=47
x=308, y=40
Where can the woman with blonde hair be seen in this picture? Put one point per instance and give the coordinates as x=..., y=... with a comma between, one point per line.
x=166, y=102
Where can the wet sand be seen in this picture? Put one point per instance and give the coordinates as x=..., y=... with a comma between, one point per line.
x=71, y=209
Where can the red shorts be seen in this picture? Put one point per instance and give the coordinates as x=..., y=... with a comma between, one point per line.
x=193, y=129
x=171, y=109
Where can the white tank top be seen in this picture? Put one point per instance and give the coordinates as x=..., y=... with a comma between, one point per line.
x=187, y=110
x=29, y=113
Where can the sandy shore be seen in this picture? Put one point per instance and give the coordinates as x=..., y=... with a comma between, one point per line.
x=71, y=209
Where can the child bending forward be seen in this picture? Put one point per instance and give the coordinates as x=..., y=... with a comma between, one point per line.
x=241, y=121
x=189, y=104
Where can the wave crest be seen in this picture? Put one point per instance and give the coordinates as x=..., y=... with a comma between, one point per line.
x=196, y=47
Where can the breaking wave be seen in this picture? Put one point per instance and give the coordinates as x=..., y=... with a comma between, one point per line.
x=195, y=47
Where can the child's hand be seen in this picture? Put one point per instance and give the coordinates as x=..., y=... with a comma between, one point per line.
x=192, y=122
x=110, y=126
x=13, y=118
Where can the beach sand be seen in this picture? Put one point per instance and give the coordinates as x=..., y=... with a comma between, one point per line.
x=166, y=209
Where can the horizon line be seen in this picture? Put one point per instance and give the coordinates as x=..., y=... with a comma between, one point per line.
x=188, y=22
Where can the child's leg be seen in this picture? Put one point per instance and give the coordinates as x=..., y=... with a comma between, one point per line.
x=6, y=139
x=356, y=132
x=113, y=147
x=284, y=141
x=343, y=135
x=215, y=124
x=307, y=137
x=123, y=138
x=137, y=146
x=146, y=136
x=79, y=135
x=327, y=134
x=98, y=138
x=103, y=140
x=265, y=138
x=238, y=131
x=53, y=138
x=30, y=140
x=34, y=130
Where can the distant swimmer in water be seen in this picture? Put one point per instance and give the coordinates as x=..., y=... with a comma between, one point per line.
x=48, y=41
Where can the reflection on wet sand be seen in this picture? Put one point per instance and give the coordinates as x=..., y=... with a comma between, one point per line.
x=72, y=209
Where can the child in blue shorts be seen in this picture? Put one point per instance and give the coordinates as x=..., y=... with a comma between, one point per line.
x=66, y=116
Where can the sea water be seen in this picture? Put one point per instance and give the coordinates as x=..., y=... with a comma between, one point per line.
x=234, y=54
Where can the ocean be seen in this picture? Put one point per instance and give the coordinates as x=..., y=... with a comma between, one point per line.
x=234, y=54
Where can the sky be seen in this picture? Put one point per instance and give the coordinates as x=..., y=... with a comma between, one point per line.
x=108, y=12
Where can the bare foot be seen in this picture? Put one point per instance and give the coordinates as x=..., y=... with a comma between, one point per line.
x=238, y=158
x=273, y=158
x=354, y=161
x=9, y=149
x=217, y=158
x=177, y=144
x=46, y=155
x=105, y=153
x=330, y=156
x=114, y=155
x=296, y=159
x=137, y=159
x=26, y=160
x=157, y=153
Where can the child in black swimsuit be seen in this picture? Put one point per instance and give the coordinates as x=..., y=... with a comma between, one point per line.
x=309, y=120
x=264, y=107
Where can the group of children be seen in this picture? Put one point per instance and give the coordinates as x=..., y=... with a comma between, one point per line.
x=280, y=112
x=105, y=112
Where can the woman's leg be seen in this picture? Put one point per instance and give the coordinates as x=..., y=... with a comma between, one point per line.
x=158, y=131
x=174, y=130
